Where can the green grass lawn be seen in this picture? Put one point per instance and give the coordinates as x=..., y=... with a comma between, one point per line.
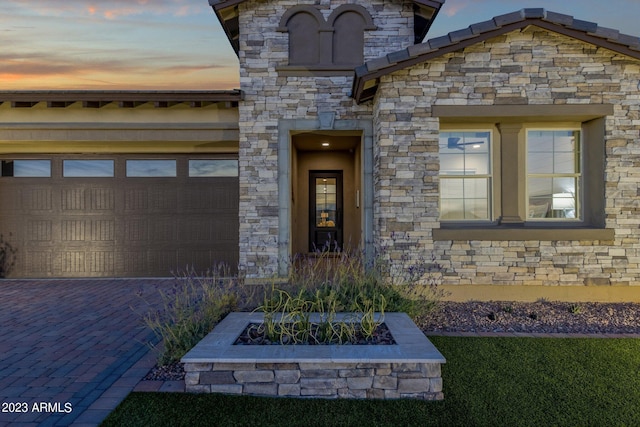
x=487, y=381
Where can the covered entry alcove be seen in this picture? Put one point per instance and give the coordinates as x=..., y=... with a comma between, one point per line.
x=326, y=192
x=305, y=150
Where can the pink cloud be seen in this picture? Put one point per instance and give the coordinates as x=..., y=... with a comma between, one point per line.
x=453, y=7
x=109, y=9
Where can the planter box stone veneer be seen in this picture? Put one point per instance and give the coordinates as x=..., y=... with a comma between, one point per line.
x=411, y=368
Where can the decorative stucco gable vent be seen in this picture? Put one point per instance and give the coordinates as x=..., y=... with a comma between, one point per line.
x=337, y=42
x=367, y=76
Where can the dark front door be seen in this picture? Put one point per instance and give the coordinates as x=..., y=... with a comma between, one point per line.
x=325, y=210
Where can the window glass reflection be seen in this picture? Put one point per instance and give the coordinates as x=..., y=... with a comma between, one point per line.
x=151, y=168
x=213, y=168
x=27, y=168
x=88, y=168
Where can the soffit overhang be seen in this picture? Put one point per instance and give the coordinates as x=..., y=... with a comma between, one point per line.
x=367, y=76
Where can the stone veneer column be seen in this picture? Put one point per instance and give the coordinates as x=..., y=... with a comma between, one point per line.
x=271, y=98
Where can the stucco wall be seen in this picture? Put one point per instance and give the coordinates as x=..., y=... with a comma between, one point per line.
x=112, y=129
x=532, y=67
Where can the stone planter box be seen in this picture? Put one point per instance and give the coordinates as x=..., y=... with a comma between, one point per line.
x=411, y=368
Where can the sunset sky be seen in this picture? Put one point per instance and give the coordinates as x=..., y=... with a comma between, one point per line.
x=179, y=44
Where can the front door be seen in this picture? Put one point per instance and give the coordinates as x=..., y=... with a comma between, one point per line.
x=325, y=211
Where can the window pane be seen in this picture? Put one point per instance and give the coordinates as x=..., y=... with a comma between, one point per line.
x=451, y=189
x=452, y=209
x=538, y=163
x=553, y=165
x=151, y=168
x=465, y=154
x=476, y=209
x=213, y=168
x=553, y=151
x=540, y=141
x=27, y=168
x=464, y=198
x=88, y=168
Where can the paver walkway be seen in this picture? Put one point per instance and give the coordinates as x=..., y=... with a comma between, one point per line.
x=71, y=350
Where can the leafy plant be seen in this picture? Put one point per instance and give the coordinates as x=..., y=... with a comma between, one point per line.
x=287, y=318
x=575, y=308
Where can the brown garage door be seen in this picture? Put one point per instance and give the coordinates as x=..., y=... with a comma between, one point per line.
x=118, y=216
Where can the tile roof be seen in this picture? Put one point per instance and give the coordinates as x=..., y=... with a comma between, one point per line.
x=366, y=75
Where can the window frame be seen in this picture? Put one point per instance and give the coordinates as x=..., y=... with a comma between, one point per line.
x=5, y=169
x=491, y=176
x=213, y=159
x=510, y=119
x=70, y=161
x=578, y=176
x=132, y=161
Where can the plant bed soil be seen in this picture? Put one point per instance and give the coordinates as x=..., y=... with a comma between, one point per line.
x=254, y=334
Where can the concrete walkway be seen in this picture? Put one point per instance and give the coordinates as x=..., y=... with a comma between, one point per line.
x=71, y=350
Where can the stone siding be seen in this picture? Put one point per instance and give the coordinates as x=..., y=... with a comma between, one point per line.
x=270, y=97
x=532, y=67
x=322, y=380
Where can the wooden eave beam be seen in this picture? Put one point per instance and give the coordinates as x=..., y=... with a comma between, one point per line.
x=98, y=99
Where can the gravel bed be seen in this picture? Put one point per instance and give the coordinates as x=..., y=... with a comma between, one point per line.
x=536, y=317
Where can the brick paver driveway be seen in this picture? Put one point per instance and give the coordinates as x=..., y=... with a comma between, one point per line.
x=71, y=350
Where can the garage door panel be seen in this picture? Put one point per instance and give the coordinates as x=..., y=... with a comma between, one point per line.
x=101, y=200
x=101, y=263
x=132, y=263
x=36, y=199
x=37, y=263
x=73, y=230
x=164, y=261
x=73, y=263
x=39, y=230
x=73, y=200
x=164, y=229
x=103, y=230
x=119, y=226
x=136, y=230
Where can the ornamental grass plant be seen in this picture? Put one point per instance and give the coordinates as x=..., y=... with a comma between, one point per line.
x=192, y=307
x=326, y=281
